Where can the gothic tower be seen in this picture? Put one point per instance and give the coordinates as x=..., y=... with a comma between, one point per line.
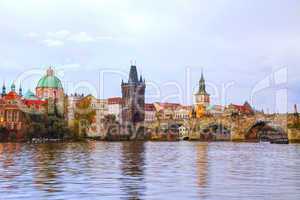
x=202, y=99
x=133, y=96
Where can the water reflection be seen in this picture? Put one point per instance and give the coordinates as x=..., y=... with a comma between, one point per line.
x=202, y=166
x=48, y=160
x=151, y=170
x=132, y=165
x=9, y=170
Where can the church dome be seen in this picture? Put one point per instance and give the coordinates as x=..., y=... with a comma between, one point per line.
x=30, y=95
x=49, y=81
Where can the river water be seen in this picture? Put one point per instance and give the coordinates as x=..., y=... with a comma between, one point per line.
x=150, y=170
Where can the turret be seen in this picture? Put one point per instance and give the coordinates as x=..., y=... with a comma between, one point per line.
x=20, y=91
x=3, y=90
x=13, y=87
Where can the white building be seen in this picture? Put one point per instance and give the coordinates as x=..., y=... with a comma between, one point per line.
x=96, y=129
x=150, y=113
x=71, y=107
x=182, y=112
x=183, y=132
x=115, y=107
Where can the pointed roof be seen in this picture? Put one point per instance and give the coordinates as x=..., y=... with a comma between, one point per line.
x=13, y=87
x=202, y=87
x=133, y=75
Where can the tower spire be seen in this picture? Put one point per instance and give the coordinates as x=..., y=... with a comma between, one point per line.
x=20, y=90
x=3, y=89
x=202, y=87
x=13, y=87
x=133, y=76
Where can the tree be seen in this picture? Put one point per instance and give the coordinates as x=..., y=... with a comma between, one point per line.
x=84, y=116
x=3, y=133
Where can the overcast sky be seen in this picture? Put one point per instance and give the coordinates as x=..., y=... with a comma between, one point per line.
x=250, y=47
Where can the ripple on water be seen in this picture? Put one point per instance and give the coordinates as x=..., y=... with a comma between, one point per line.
x=151, y=170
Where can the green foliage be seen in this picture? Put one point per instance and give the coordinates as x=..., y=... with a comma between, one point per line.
x=49, y=126
x=294, y=126
x=3, y=134
x=84, y=116
x=57, y=128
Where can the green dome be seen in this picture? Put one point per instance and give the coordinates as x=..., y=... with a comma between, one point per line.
x=30, y=95
x=49, y=81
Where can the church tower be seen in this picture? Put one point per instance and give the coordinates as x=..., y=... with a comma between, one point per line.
x=202, y=99
x=133, y=97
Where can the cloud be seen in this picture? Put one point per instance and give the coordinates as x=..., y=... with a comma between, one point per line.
x=62, y=34
x=53, y=43
x=81, y=37
x=62, y=37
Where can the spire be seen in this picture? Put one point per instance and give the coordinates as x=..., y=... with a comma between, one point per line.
x=3, y=89
x=133, y=76
x=20, y=91
x=141, y=79
x=13, y=87
x=50, y=71
x=202, y=87
x=202, y=77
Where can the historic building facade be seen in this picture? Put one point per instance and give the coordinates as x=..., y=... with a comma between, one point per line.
x=16, y=109
x=150, y=112
x=50, y=88
x=202, y=99
x=133, y=97
x=115, y=107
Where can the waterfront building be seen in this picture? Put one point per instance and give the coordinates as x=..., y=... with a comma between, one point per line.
x=72, y=101
x=172, y=111
x=12, y=116
x=50, y=88
x=166, y=111
x=101, y=108
x=202, y=99
x=133, y=98
x=150, y=112
x=244, y=109
x=33, y=103
x=95, y=128
x=215, y=109
x=115, y=107
x=15, y=109
x=182, y=112
x=183, y=132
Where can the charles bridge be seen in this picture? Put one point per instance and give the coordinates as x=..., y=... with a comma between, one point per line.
x=250, y=128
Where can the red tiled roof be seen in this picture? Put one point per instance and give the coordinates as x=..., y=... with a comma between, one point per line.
x=34, y=102
x=11, y=96
x=242, y=108
x=169, y=105
x=149, y=107
x=115, y=100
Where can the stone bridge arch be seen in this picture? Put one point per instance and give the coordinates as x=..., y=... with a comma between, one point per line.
x=263, y=130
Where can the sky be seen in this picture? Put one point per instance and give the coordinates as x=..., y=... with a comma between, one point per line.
x=248, y=50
